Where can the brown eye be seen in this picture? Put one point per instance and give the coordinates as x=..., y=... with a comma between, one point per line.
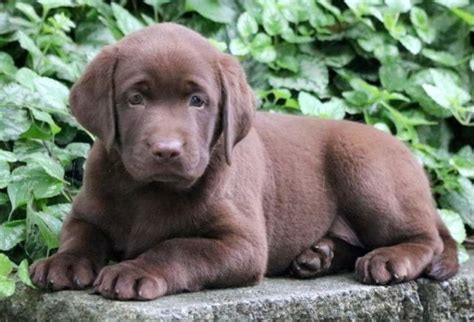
x=196, y=101
x=136, y=99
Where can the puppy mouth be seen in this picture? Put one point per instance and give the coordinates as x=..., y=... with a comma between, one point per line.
x=168, y=178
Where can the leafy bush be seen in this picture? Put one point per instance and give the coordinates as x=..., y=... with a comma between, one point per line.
x=403, y=66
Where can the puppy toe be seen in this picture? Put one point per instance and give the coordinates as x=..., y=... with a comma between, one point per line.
x=378, y=271
x=151, y=288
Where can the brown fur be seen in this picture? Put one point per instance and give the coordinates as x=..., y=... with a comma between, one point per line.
x=244, y=194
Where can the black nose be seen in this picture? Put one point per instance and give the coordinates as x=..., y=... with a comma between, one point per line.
x=167, y=149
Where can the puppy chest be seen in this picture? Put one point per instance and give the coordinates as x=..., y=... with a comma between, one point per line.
x=140, y=228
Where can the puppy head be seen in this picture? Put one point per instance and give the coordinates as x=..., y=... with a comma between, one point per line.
x=166, y=100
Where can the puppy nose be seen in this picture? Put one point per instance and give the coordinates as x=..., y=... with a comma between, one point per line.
x=167, y=149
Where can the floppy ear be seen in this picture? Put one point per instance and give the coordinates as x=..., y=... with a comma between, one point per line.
x=238, y=104
x=92, y=98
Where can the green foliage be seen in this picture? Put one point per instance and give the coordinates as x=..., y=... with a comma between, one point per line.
x=403, y=66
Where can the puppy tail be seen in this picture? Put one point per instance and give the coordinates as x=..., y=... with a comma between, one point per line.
x=446, y=264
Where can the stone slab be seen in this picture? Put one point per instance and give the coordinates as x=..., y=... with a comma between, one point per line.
x=332, y=298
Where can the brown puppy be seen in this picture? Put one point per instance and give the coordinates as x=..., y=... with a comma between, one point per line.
x=189, y=188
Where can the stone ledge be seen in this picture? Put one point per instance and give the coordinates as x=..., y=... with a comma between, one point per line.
x=329, y=298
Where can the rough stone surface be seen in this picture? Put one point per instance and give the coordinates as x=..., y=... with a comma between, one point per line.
x=329, y=298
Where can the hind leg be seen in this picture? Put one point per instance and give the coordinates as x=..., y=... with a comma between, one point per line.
x=327, y=256
x=385, y=197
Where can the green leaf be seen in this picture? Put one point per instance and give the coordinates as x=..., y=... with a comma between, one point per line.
x=411, y=43
x=461, y=201
x=7, y=156
x=453, y=3
x=11, y=234
x=78, y=150
x=419, y=19
x=32, y=180
x=238, y=47
x=273, y=21
x=3, y=198
x=464, y=166
x=51, y=4
x=53, y=93
x=262, y=49
x=246, y=25
x=7, y=287
x=463, y=255
x=126, y=22
x=445, y=89
x=28, y=44
x=23, y=273
x=4, y=174
x=393, y=76
x=156, y=3
x=214, y=10
x=13, y=122
x=296, y=11
x=454, y=223
x=28, y=11
x=438, y=95
x=51, y=166
x=7, y=65
x=441, y=57
x=59, y=211
x=310, y=105
x=312, y=77
x=399, y=5
x=6, y=266
x=49, y=227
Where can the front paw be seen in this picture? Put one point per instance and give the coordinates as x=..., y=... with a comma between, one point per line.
x=129, y=281
x=63, y=271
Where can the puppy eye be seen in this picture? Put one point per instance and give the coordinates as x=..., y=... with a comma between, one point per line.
x=136, y=99
x=196, y=101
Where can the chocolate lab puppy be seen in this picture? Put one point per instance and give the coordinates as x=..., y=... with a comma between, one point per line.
x=187, y=187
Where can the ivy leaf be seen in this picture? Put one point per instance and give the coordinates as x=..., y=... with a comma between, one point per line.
x=7, y=65
x=6, y=266
x=4, y=174
x=7, y=287
x=393, y=76
x=31, y=180
x=7, y=156
x=11, y=234
x=262, y=49
x=461, y=201
x=51, y=166
x=246, y=25
x=419, y=19
x=238, y=47
x=441, y=57
x=49, y=227
x=214, y=10
x=310, y=105
x=273, y=21
x=313, y=77
x=464, y=166
x=453, y=3
x=454, y=223
x=399, y=5
x=411, y=43
x=125, y=21
x=51, y=4
x=23, y=273
x=13, y=122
